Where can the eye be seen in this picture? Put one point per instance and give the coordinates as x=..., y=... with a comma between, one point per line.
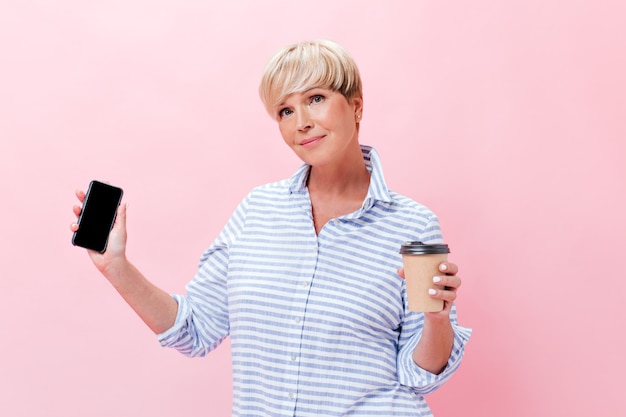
x=316, y=99
x=284, y=112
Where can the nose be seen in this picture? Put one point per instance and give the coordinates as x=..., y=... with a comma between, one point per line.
x=303, y=119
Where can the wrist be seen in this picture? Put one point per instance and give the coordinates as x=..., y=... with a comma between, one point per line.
x=436, y=319
x=116, y=269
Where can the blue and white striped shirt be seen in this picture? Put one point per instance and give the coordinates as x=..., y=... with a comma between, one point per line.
x=319, y=324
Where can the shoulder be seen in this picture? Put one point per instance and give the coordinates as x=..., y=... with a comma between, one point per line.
x=270, y=190
x=402, y=205
x=424, y=220
x=267, y=195
x=407, y=218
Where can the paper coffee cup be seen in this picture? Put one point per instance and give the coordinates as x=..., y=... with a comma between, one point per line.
x=421, y=264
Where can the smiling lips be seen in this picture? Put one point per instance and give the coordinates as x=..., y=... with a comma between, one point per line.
x=311, y=141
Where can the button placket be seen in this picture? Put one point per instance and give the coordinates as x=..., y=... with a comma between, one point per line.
x=296, y=321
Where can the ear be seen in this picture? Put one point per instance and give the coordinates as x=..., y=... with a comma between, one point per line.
x=357, y=103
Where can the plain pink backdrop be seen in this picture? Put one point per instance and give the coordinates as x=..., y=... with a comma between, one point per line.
x=507, y=118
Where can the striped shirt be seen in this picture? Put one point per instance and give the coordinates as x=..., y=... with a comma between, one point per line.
x=319, y=324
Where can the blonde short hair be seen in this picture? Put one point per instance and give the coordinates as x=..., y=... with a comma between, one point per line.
x=310, y=64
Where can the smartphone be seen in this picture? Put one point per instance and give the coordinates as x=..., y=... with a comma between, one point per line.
x=97, y=216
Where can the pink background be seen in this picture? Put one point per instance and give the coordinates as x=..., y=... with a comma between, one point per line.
x=507, y=118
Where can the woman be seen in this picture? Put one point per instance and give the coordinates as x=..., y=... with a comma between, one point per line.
x=304, y=277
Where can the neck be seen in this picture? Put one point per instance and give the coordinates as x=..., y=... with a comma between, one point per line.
x=348, y=178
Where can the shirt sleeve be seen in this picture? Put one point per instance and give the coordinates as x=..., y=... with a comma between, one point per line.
x=409, y=373
x=202, y=321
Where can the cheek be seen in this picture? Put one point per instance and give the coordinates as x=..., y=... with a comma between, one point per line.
x=344, y=125
x=339, y=120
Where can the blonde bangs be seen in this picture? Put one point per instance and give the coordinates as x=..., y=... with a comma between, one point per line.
x=306, y=65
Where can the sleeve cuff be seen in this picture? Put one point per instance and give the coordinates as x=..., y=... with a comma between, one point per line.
x=169, y=337
x=426, y=382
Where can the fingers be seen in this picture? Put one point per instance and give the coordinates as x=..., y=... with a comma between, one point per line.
x=448, y=279
x=80, y=194
x=445, y=294
x=451, y=282
x=445, y=289
x=448, y=268
x=77, y=209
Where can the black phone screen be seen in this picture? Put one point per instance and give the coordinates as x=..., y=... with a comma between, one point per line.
x=97, y=216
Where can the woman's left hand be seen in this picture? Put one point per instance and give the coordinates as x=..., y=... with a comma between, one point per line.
x=449, y=283
x=435, y=344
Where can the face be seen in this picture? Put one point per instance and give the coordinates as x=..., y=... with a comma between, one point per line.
x=320, y=125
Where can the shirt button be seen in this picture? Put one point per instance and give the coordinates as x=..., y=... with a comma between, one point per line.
x=305, y=284
x=291, y=395
x=294, y=357
x=297, y=319
x=336, y=222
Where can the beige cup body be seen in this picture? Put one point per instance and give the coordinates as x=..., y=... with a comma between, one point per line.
x=419, y=271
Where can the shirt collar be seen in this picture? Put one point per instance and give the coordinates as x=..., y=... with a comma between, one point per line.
x=377, y=191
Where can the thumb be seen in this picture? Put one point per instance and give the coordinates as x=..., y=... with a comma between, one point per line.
x=401, y=272
x=121, y=216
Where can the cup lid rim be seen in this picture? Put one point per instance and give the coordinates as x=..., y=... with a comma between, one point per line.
x=416, y=247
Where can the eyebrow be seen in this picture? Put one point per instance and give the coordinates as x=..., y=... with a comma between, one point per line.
x=282, y=103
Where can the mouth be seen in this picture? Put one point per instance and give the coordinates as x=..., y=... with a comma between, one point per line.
x=311, y=141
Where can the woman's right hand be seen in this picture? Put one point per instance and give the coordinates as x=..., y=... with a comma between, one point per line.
x=156, y=307
x=116, y=248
